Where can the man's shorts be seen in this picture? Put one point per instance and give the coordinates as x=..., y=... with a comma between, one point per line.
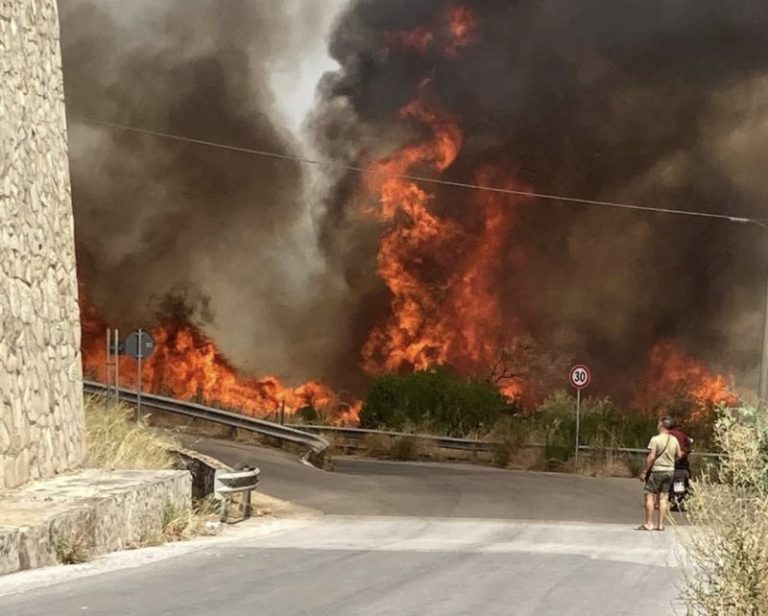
x=659, y=482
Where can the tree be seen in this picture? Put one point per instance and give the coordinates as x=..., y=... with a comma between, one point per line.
x=521, y=366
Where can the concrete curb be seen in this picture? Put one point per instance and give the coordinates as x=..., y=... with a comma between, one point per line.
x=93, y=512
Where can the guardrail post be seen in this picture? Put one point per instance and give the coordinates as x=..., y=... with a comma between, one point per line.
x=227, y=483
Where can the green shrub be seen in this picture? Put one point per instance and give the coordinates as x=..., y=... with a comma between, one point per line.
x=602, y=425
x=438, y=398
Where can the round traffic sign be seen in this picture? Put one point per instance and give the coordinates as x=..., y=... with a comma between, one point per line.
x=139, y=344
x=579, y=376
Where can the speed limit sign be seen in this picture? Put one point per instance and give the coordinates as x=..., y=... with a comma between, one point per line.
x=580, y=376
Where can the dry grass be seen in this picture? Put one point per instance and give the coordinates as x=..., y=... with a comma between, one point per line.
x=180, y=523
x=73, y=549
x=116, y=441
x=726, y=549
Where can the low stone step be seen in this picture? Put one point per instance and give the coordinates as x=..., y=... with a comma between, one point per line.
x=96, y=510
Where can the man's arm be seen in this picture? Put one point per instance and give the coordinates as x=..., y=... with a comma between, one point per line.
x=649, y=460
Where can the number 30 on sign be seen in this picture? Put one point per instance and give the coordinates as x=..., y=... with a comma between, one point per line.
x=580, y=376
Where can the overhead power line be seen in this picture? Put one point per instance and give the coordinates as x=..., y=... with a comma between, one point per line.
x=424, y=179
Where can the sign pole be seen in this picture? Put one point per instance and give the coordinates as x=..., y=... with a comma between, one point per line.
x=108, y=362
x=117, y=367
x=579, y=377
x=578, y=426
x=138, y=379
x=139, y=345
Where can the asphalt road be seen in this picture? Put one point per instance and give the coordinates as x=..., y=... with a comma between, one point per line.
x=370, y=487
x=396, y=539
x=341, y=566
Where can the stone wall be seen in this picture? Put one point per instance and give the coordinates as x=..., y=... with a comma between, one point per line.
x=41, y=413
x=93, y=511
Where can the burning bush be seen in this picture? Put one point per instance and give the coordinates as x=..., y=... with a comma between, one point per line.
x=436, y=400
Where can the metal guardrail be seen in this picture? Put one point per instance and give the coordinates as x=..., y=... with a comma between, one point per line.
x=443, y=442
x=310, y=435
x=315, y=443
x=227, y=482
x=462, y=444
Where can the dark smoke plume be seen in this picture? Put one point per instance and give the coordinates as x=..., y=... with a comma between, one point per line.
x=658, y=102
x=226, y=234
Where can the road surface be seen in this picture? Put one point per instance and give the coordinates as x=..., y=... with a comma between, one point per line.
x=395, y=539
x=370, y=487
x=341, y=566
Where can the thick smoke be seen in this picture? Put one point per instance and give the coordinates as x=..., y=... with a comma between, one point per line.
x=657, y=102
x=227, y=234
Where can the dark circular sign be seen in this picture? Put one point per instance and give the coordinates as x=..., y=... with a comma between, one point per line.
x=139, y=344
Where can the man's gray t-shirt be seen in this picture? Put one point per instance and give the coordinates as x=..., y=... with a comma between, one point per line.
x=665, y=458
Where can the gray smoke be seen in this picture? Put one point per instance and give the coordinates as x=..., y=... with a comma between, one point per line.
x=663, y=102
x=659, y=102
x=228, y=235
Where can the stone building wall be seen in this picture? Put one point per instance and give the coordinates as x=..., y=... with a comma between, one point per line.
x=41, y=410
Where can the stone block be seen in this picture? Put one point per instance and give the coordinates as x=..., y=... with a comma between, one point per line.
x=104, y=510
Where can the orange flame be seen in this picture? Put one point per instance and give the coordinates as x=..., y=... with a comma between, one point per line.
x=187, y=365
x=415, y=234
x=675, y=375
x=435, y=319
x=458, y=25
x=462, y=25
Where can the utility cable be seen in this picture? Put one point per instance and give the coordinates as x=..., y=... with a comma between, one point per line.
x=423, y=179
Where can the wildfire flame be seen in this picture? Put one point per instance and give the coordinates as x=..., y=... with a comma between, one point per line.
x=674, y=375
x=453, y=30
x=445, y=306
x=461, y=22
x=188, y=366
x=441, y=270
x=452, y=318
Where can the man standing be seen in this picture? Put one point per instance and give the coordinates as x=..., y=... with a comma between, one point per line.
x=663, y=451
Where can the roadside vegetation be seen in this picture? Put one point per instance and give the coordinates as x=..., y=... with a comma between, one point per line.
x=116, y=441
x=541, y=437
x=726, y=547
x=437, y=401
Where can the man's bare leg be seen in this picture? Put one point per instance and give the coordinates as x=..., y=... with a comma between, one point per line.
x=663, y=508
x=650, y=506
